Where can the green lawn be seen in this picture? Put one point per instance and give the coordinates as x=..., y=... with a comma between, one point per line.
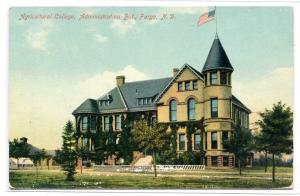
x=207, y=179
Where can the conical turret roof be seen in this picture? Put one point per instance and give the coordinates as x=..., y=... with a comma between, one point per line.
x=217, y=58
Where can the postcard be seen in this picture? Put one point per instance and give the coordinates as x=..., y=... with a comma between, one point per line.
x=148, y=98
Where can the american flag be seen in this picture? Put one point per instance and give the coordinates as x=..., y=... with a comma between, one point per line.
x=206, y=17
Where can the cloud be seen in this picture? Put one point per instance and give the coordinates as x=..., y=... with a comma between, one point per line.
x=99, y=84
x=278, y=85
x=100, y=38
x=123, y=26
x=37, y=40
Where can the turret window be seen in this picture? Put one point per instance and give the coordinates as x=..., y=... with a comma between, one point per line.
x=213, y=78
x=223, y=78
x=205, y=79
x=214, y=140
x=214, y=107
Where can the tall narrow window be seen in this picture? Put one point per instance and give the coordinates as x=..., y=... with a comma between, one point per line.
x=224, y=138
x=197, y=141
x=180, y=86
x=214, y=107
x=223, y=77
x=191, y=109
x=118, y=122
x=93, y=123
x=182, y=142
x=195, y=87
x=84, y=123
x=106, y=123
x=187, y=85
x=85, y=142
x=173, y=110
x=205, y=77
x=214, y=141
x=229, y=78
x=213, y=78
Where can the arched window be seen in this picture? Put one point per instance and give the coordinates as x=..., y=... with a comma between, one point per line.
x=191, y=109
x=173, y=110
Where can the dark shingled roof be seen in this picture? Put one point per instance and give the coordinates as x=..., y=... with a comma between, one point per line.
x=88, y=106
x=240, y=104
x=142, y=89
x=116, y=103
x=217, y=58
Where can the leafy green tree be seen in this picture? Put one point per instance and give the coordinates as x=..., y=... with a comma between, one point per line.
x=99, y=143
x=261, y=146
x=58, y=157
x=37, y=158
x=18, y=149
x=240, y=144
x=149, y=137
x=111, y=140
x=277, y=131
x=83, y=154
x=125, y=147
x=69, y=151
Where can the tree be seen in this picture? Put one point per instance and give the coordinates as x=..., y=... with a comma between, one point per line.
x=100, y=139
x=37, y=158
x=69, y=151
x=58, y=157
x=125, y=147
x=149, y=137
x=111, y=140
x=261, y=146
x=18, y=149
x=277, y=131
x=239, y=144
x=82, y=153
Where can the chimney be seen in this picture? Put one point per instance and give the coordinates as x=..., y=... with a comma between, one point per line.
x=23, y=139
x=120, y=80
x=175, y=71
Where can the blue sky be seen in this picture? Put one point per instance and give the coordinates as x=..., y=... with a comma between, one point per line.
x=56, y=64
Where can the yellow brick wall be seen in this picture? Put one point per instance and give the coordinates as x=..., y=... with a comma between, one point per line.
x=182, y=97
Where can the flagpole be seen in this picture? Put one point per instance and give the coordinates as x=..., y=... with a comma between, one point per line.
x=216, y=21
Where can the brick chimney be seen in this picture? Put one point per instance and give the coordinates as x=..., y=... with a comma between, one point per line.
x=175, y=71
x=23, y=139
x=120, y=80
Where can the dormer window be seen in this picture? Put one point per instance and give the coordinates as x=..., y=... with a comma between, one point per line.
x=144, y=101
x=105, y=102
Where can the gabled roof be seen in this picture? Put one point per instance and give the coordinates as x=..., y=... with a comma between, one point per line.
x=116, y=101
x=217, y=57
x=237, y=102
x=185, y=66
x=88, y=106
x=131, y=91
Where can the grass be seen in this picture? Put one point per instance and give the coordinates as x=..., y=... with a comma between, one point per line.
x=207, y=179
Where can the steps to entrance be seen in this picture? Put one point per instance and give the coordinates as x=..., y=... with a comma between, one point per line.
x=144, y=161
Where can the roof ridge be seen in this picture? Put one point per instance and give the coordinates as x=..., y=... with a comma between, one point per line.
x=147, y=80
